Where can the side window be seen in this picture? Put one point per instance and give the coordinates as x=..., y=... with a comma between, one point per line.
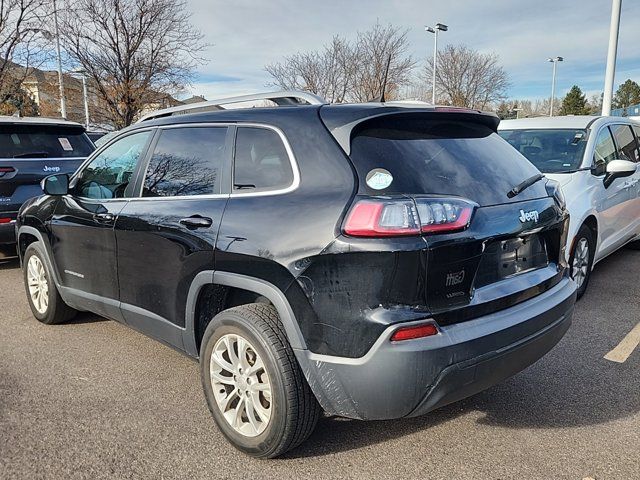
x=261, y=161
x=108, y=175
x=186, y=161
x=626, y=143
x=605, y=150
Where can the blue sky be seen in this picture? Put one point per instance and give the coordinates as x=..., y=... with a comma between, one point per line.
x=245, y=35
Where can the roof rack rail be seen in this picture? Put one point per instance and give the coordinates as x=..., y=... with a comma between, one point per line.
x=282, y=98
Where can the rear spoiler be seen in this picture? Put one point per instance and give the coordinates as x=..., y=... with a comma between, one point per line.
x=341, y=124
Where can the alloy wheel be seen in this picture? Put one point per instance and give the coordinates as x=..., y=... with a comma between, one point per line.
x=38, y=284
x=240, y=385
x=580, y=265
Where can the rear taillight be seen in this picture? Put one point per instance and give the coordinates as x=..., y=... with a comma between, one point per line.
x=5, y=170
x=414, y=331
x=388, y=217
x=382, y=218
x=5, y=220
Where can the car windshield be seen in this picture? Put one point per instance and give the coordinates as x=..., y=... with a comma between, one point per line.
x=550, y=150
x=43, y=141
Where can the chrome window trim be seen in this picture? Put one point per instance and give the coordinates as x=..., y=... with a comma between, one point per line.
x=292, y=160
x=263, y=193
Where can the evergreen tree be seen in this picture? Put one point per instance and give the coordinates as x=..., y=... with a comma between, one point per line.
x=627, y=94
x=574, y=103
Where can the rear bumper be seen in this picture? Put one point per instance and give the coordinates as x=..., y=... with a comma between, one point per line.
x=413, y=377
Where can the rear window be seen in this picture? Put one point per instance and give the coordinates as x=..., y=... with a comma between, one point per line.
x=425, y=155
x=43, y=141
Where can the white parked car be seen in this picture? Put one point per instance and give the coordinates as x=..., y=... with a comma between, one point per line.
x=595, y=159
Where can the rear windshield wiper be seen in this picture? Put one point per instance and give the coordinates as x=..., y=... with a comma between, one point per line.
x=524, y=185
x=32, y=155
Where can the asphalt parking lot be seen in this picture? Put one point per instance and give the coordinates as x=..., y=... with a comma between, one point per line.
x=95, y=399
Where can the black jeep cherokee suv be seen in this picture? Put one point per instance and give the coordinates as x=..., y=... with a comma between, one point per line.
x=374, y=261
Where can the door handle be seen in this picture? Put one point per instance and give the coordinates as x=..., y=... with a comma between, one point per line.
x=104, y=217
x=196, y=221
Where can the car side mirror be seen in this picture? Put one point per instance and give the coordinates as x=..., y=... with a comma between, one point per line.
x=618, y=169
x=56, y=184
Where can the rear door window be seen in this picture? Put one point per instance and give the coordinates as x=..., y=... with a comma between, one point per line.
x=186, y=161
x=43, y=141
x=261, y=161
x=626, y=147
x=431, y=155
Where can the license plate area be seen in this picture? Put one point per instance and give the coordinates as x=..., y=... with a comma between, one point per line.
x=506, y=258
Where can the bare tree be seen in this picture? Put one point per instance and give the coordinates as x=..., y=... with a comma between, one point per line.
x=134, y=52
x=373, y=50
x=349, y=71
x=329, y=72
x=467, y=78
x=21, y=43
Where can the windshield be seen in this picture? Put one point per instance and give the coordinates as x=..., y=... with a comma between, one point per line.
x=552, y=151
x=43, y=141
x=429, y=154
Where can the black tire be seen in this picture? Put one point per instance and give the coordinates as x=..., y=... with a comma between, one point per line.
x=295, y=410
x=56, y=310
x=584, y=234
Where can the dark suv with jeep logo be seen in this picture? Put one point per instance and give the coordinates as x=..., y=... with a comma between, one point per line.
x=374, y=261
x=31, y=149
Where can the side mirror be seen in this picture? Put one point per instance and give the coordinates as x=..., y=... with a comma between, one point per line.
x=56, y=184
x=618, y=169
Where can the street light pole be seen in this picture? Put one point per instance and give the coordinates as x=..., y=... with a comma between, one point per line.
x=553, y=82
x=86, y=100
x=614, y=31
x=63, y=103
x=442, y=28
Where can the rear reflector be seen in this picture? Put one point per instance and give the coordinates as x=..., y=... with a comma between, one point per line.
x=416, y=331
x=389, y=217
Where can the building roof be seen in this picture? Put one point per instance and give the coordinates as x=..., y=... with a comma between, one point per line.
x=194, y=99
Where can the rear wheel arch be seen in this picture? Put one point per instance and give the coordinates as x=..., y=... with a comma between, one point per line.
x=213, y=291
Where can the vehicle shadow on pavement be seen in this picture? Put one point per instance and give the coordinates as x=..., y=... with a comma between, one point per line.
x=572, y=386
x=82, y=318
x=10, y=264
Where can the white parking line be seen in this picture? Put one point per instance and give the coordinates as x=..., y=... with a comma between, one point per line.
x=625, y=347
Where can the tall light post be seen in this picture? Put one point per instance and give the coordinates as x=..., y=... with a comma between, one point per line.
x=614, y=30
x=555, y=61
x=439, y=27
x=85, y=96
x=63, y=103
